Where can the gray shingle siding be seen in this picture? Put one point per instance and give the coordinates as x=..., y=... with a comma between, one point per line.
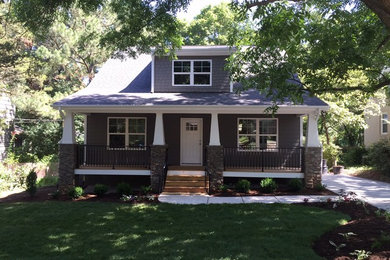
x=163, y=75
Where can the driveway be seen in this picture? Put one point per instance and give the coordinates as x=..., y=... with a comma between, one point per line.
x=374, y=192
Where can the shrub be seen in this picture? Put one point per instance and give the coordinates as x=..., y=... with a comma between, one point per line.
x=146, y=189
x=331, y=153
x=55, y=195
x=320, y=187
x=379, y=156
x=295, y=185
x=268, y=185
x=243, y=185
x=124, y=188
x=100, y=189
x=75, y=192
x=353, y=156
x=223, y=188
x=31, y=182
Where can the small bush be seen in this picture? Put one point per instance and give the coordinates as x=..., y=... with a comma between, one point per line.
x=295, y=185
x=124, y=188
x=379, y=156
x=55, y=195
x=268, y=185
x=353, y=156
x=331, y=153
x=145, y=190
x=31, y=183
x=320, y=187
x=223, y=188
x=100, y=189
x=243, y=186
x=75, y=192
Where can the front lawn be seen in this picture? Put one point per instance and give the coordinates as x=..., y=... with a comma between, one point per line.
x=161, y=231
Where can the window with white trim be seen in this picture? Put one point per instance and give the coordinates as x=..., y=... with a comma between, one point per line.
x=125, y=132
x=385, y=123
x=191, y=73
x=256, y=133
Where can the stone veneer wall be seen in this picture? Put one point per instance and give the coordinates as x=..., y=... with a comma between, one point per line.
x=67, y=164
x=313, y=165
x=214, y=162
x=158, y=155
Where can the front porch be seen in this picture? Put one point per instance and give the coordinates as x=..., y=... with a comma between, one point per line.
x=161, y=141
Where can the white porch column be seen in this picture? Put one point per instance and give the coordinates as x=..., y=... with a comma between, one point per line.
x=214, y=130
x=312, y=138
x=301, y=131
x=159, y=130
x=68, y=133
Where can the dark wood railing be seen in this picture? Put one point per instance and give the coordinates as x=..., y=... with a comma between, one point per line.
x=275, y=159
x=104, y=156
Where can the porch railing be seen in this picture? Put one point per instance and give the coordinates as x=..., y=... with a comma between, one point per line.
x=104, y=156
x=261, y=159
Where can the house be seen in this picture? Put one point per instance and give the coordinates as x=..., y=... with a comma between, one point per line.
x=378, y=126
x=153, y=116
x=7, y=115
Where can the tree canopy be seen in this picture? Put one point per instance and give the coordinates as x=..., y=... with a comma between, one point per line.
x=323, y=42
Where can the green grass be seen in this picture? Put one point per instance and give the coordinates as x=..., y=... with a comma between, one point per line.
x=90, y=230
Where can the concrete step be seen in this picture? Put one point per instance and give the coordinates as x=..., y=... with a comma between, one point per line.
x=189, y=190
x=169, y=183
x=185, y=177
x=185, y=172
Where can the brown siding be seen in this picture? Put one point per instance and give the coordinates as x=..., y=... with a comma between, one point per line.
x=163, y=76
x=288, y=129
x=172, y=134
x=97, y=127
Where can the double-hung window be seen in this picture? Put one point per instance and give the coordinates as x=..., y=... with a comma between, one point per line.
x=255, y=133
x=126, y=132
x=385, y=123
x=191, y=73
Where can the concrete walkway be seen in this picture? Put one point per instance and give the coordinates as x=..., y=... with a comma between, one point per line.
x=205, y=199
x=373, y=192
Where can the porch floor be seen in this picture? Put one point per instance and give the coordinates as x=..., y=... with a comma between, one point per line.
x=290, y=170
x=111, y=168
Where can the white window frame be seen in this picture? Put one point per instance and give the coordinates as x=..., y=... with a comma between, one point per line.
x=192, y=73
x=383, y=122
x=257, y=135
x=126, y=133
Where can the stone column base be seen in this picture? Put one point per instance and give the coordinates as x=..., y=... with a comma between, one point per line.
x=67, y=164
x=214, y=163
x=313, y=165
x=158, y=155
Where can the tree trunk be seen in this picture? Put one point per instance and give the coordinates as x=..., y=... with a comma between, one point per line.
x=381, y=8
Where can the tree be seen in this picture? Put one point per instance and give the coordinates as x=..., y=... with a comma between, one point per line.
x=39, y=69
x=140, y=24
x=215, y=25
x=324, y=43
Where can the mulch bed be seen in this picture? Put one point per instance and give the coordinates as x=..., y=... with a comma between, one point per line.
x=44, y=194
x=282, y=191
x=370, y=232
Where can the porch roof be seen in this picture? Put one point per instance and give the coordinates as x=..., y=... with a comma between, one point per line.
x=127, y=82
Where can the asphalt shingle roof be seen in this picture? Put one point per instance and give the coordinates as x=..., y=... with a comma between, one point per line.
x=127, y=82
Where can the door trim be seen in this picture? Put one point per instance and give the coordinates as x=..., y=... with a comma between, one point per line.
x=182, y=120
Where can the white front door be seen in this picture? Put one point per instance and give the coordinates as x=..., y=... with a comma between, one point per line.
x=191, y=141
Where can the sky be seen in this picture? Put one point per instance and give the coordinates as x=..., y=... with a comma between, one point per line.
x=195, y=7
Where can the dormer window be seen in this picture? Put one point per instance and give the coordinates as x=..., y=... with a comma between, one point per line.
x=191, y=73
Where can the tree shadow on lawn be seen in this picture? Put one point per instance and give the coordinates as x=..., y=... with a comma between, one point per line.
x=161, y=231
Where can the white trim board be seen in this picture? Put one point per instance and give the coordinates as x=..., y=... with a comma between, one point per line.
x=287, y=175
x=111, y=172
x=190, y=109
